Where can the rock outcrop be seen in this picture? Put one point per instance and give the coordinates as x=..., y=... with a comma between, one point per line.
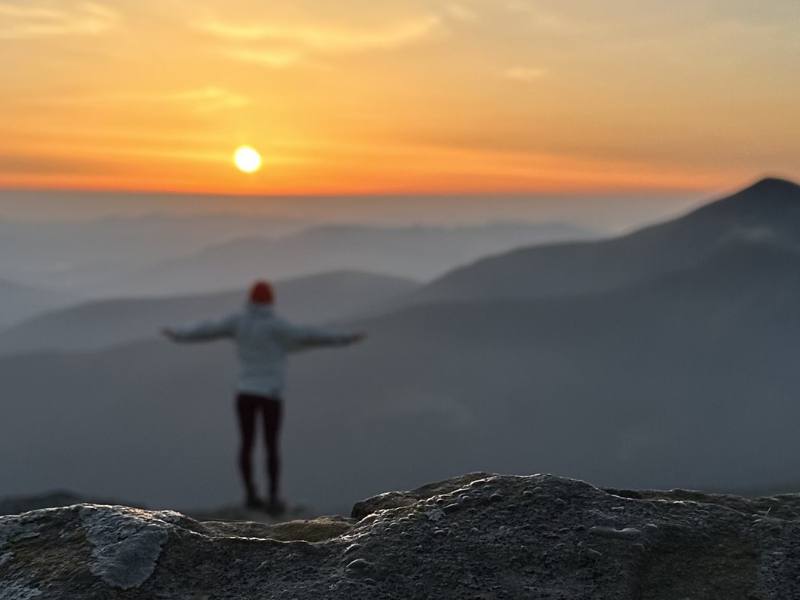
x=479, y=536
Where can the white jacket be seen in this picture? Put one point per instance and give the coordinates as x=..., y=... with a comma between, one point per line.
x=263, y=341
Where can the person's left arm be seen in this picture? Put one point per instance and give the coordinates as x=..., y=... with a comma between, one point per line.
x=205, y=331
x=304, y=337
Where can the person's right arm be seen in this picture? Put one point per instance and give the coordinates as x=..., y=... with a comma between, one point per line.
x=204, y=331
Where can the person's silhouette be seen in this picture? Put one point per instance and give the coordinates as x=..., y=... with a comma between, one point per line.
x=263, y=340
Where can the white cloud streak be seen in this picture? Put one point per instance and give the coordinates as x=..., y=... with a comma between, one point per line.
x=544, y=20
x=461, y=12
x=201, y=100
x=283, y=45
x=38, y=20
x=326, y=39
x=276, y=59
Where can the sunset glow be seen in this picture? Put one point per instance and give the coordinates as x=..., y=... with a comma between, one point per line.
x=417, y=96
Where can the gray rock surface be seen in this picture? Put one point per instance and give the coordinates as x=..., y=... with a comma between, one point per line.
x=478, y=536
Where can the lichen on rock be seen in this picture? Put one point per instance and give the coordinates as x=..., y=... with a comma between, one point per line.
x=126, y=543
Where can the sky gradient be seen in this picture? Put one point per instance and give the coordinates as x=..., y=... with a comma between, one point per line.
x=366, y=96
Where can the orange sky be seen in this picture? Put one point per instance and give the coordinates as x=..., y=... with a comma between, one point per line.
x=389, y=96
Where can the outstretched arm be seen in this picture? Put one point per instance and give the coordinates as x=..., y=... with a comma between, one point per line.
x=205, y=331
x=303, y=338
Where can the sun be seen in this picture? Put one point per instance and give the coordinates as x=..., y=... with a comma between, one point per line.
x=247, y=159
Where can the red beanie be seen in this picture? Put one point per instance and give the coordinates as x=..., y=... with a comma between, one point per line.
x=261, y=293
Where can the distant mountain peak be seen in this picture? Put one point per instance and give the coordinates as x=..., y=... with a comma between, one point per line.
x=772, y=185
x=770, y=197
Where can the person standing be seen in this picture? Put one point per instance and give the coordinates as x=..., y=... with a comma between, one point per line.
x=263, y=342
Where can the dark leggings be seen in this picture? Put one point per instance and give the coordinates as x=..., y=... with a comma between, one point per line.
x=247, y=407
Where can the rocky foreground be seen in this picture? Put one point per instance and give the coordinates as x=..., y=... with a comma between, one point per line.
x=478, y=536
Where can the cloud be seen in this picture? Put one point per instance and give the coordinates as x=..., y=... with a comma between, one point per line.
x=325, y=39
x=524, y=74
x=201, y=100
x=460, y=12
x=544, y=20
x=279, y=46
x=209, y=99
x=269, y=58
x=37, y=20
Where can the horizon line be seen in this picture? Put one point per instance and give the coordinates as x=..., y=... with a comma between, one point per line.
x=676, y=192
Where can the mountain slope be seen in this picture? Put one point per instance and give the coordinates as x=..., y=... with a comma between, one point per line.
x=316, y=298
x=671, y=382
x=770, y=209
x=18, y=302
x=683, y=374
x=418, y=252
x=79, y=256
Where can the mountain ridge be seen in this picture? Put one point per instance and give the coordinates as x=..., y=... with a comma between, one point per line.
x=568, y=268
x=653, y=381
x=21, y=301
x=94, y=324
x=418, y=252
